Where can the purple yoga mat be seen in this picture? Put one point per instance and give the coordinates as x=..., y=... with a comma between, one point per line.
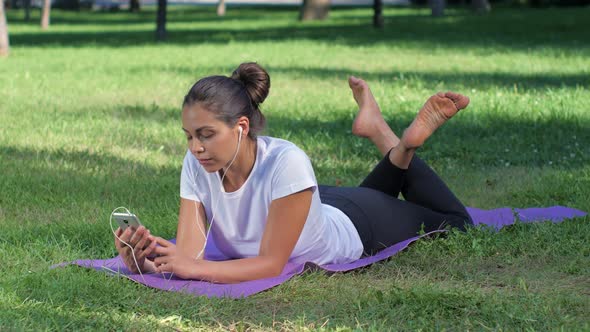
x=496, y=218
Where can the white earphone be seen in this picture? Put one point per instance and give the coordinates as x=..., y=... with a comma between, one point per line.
x=206, y=234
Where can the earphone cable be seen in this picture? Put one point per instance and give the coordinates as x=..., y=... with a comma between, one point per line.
x=217, y=202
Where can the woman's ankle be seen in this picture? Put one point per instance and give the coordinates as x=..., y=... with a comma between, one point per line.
x=384, y=142
x=401, y=156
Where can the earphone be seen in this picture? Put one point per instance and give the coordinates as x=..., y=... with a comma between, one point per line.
x=206, y=235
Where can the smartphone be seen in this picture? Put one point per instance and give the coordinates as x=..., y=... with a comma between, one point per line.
x=126, y=220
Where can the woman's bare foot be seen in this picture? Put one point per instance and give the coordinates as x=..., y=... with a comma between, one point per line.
x=436, y=111
x=369, y=123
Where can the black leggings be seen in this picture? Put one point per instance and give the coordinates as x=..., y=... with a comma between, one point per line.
x=382, y=219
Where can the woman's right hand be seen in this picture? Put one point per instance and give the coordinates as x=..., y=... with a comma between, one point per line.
x=143, y=244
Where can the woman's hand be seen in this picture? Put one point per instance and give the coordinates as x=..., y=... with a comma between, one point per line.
x=143, y=244
x=172, y=260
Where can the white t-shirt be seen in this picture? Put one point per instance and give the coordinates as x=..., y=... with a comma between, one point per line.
x=280, y=169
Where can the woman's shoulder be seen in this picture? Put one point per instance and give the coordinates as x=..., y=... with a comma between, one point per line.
x=277, y=148
x=285, y=167
x=278, y=144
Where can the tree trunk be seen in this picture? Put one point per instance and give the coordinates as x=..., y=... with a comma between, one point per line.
x=314, y=10
x=161, y=21
x=134, y=6
x=27, y=10
x=221, y=8
x=378, y=13
x=481, y=6
x=45, y=14
x=438, y=7
x=4, y=45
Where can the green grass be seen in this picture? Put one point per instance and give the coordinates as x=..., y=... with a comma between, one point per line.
x=89, y=120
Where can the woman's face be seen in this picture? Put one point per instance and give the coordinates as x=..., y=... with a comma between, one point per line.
x=210, y=140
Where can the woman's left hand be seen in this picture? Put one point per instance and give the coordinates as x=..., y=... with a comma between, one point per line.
x=171, y=260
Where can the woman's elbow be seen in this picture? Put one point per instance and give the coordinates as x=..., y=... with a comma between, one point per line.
x=275, y=268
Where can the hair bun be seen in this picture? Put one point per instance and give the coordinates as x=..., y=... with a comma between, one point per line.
x=255, y=79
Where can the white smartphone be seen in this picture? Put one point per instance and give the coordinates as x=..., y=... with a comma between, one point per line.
x=126, y=220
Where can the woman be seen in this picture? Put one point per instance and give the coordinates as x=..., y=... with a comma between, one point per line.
x=261, y=199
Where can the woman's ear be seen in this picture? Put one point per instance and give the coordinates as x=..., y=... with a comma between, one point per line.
x=244, y=124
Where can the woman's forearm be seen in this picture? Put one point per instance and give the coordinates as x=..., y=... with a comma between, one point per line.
x=237, y=270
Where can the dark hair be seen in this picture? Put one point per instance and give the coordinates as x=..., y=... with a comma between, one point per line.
x=233, y=97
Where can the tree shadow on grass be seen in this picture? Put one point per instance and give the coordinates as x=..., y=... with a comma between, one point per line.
x=183, y=14
x=502, y=31
x=474, y=136
x=478, y=80
x=467, y=140
x=63, y=191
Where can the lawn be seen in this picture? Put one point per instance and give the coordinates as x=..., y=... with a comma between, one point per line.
x=90, y=120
